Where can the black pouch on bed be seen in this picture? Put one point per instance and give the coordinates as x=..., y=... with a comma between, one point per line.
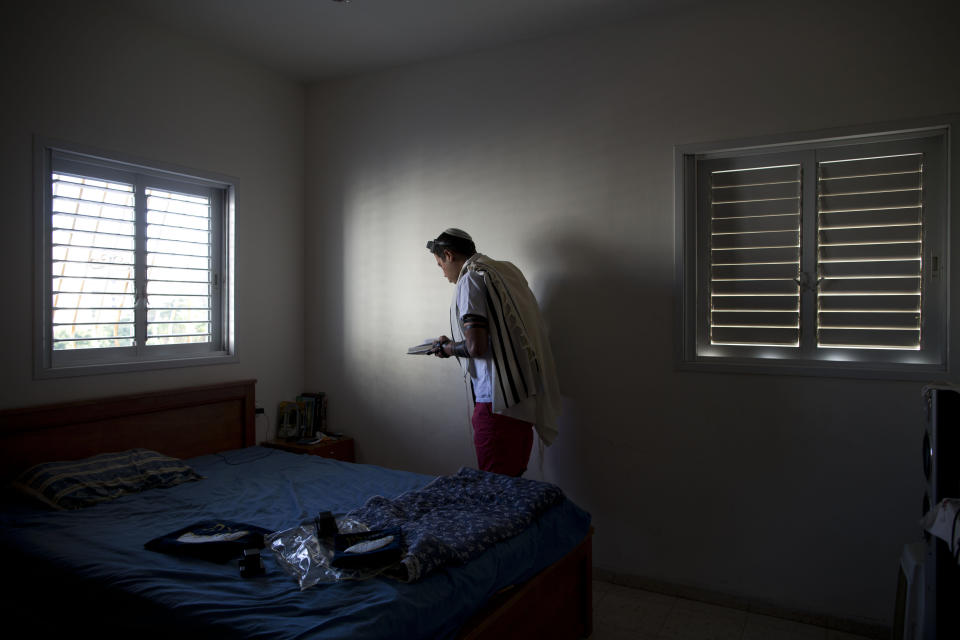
x=216, y=540
x=349, y=551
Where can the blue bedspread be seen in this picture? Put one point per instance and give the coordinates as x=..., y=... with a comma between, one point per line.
x=275, y=490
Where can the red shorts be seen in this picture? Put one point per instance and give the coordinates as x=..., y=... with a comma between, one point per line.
x=503, y=443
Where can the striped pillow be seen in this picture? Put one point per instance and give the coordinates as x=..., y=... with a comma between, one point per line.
x=76, y=484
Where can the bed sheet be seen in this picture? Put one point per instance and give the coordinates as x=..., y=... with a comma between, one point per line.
x=273, y=489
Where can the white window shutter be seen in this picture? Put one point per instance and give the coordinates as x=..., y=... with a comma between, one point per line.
x=755, y=222
x=92, y=263
x=179, y=275
x=869, y=254
x=821, y=254
x=137, y=265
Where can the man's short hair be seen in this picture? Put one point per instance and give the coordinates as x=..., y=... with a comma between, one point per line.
x=456, y=240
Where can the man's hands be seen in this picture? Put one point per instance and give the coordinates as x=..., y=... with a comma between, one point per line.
x=439, y=347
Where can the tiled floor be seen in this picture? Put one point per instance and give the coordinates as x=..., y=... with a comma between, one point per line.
x=620, y=613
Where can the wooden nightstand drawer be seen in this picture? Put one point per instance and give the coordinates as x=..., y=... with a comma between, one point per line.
x=339, y=449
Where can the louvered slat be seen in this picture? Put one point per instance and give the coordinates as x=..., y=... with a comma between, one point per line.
x=870, y=214
x=870, y=218
x=755, y=256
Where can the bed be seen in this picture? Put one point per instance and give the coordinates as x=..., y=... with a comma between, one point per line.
x=88, y=570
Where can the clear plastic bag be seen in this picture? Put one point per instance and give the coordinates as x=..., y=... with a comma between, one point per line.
x=308, y=559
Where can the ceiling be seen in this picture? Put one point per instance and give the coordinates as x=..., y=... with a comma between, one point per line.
x=315, y=39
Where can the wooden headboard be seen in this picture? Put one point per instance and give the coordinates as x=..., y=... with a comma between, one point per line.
x=182, y=423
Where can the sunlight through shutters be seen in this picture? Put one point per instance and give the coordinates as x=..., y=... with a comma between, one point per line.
x=755, y=256
x=824, y=254
x=179, y=247
x=869, y=253
x=137, y=266
x=92, y=263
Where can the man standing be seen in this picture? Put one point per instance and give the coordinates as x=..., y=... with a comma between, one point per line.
x=500, y=340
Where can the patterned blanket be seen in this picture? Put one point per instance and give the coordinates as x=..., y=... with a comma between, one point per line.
x=455, y=518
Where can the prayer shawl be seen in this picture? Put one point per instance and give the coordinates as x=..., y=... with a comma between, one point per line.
x=522, y=359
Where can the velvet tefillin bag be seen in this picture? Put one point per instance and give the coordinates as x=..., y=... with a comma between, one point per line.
x=214, y=540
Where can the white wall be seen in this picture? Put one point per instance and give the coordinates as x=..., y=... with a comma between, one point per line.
x=558, y=155
x=76, y=73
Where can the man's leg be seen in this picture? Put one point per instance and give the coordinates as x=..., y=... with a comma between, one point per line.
x=503, y=443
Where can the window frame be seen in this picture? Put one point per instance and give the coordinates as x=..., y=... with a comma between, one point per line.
x=52, y=155
x=692, y=353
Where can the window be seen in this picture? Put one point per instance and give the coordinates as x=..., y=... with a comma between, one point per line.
x=136, y=266
x=823, y=255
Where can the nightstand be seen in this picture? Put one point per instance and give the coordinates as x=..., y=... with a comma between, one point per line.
x=338, y=449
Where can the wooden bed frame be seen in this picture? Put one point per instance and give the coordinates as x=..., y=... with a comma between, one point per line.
x=183, y=423
x=193, y=421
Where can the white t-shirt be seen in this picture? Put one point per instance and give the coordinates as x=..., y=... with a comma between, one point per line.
x=472, y=300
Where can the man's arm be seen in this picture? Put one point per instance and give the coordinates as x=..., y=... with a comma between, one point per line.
x=474, y=345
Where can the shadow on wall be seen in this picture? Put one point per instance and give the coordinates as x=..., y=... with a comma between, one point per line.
x=610, y=324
